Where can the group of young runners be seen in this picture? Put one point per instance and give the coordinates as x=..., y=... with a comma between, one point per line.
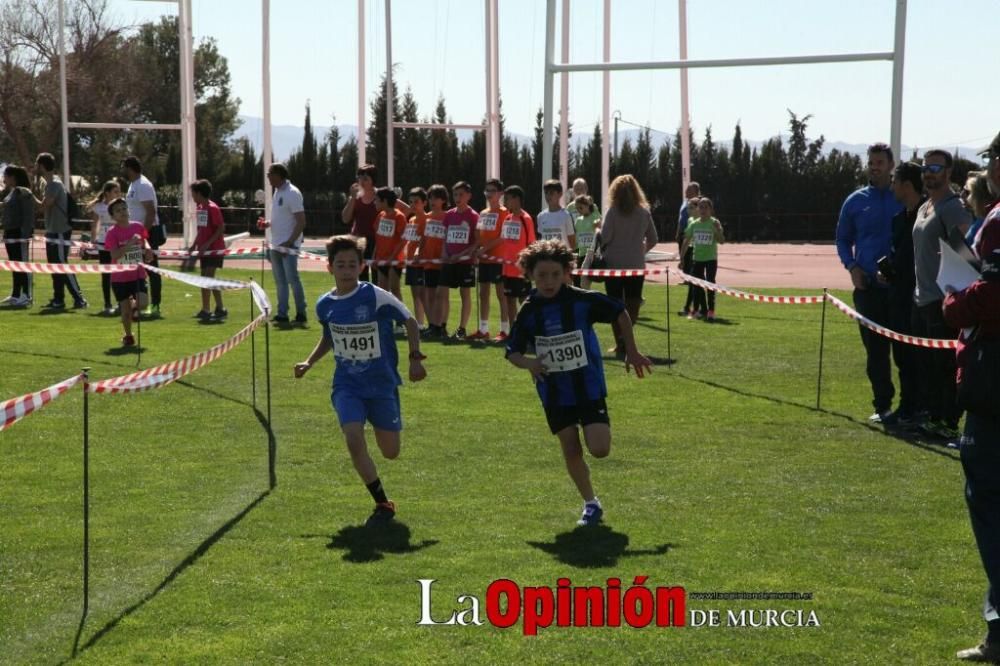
x=547, y=329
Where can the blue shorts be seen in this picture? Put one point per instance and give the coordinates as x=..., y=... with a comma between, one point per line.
x=382, y=412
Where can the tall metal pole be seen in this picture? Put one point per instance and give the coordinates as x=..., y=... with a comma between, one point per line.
x=822, y=337
x=494, y=62
x=564, y=102
x=266, y=100
x=361, y=84
x=550, y=49
x=390, y=157
x=86, y=488
x=606, y=110
x=487, y=31
x=63, y=99
x=685, y=117
x=188, y=154
x=898, y=50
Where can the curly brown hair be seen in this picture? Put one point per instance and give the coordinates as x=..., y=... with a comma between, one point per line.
x=546, y=250
x=626, y=194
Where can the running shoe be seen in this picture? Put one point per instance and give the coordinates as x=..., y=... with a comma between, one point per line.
x=384, y=512
x=592, y=514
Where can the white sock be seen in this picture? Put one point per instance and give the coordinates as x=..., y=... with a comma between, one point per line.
x=484, y=325
x=505, y=327
x=594, y=502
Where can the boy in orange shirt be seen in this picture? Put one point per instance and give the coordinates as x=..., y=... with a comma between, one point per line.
x=389, y=243
x=488, y=242
x=516, y=233
x=432, y=248
x=413, y=234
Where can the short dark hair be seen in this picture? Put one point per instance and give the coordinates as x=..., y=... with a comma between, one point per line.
x=114, y=204
x=883, y=148
x=47, y=161
x=438, y=191
x=696, y=185
x=419, y=193
x=386, y=194
x=546, y=250
x=19, y=174
x=910, y=172
x=369, y=170
x=345, y=242
x=132, y=162
x=462, y=185
x=202, y=187
x=552, y=185
x=943, y=154
x=495, y=182
x=278, y=169
x=586, y=200
x=514, y=191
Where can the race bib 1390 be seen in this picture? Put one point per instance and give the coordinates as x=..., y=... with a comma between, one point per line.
x=560, y=353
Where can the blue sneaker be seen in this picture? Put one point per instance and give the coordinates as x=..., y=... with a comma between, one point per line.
x=592, y=514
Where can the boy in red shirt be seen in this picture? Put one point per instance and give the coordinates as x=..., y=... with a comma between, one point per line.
x=413, y=235
x=516, y=233
x=389, y=243
x=488, y=243
x=211, y=227
x=459, y=246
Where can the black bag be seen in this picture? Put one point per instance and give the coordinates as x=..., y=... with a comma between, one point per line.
x=598, y=262
x=979, y=390
x=72, y=208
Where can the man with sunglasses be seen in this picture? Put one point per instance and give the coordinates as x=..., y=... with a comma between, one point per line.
x=941, y=217
x=864, y=235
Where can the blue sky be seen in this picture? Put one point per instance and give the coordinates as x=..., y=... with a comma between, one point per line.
x=950, y=98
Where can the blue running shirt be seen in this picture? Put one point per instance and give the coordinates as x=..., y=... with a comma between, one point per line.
x=359, y=326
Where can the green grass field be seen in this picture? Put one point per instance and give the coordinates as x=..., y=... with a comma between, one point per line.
x=722, y=477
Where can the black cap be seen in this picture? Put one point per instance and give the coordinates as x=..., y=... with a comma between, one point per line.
x=992, y=150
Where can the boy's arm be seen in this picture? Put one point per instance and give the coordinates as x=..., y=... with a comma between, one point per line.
x=632, y=355
x=319, y=351
x=532, y=365
x=417, y=370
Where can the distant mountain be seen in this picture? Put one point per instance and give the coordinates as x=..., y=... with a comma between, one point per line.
x=285, y=139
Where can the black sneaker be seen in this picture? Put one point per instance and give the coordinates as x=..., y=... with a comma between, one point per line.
x=203, y=315
x=220, y=313
x=383, y=513
x=279, y=319
x=80, y=304
x=459, y=334
x=55, y=305
x=300, y=318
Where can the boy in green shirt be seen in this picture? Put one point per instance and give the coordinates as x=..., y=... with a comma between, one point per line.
x=704, y=234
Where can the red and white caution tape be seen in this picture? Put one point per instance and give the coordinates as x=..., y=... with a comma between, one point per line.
x=231, y=252
x=260, y=298
x=302, y=254
x=933, y=343
x=167, y=373
x=618, y=272
x=15, y=409
x=42, y=267
x=197, y=280
x=736, y=293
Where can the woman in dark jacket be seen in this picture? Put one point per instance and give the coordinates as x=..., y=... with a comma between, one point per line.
x=978, y=308
x=18, y=224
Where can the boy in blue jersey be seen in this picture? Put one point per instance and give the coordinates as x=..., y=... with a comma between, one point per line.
x=558, y=319
x=358, y=319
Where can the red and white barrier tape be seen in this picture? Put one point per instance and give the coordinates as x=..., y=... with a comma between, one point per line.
x=42, y=267
x=170, y=372
x=259, y=295
x=933, y=343
x=231, y=252
x=618, y=272
x=15, y=409
x=736, y=293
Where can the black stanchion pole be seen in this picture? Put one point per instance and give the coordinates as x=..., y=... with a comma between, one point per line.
x=86, y=491
x=253, y=355
x=138, y=334
x=822, y=335
x=669, y=357
x=271, y=444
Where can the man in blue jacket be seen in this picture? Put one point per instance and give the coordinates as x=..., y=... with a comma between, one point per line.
x=864, y=235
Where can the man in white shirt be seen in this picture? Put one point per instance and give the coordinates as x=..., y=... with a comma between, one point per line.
x=141, y=200
x=288, y=220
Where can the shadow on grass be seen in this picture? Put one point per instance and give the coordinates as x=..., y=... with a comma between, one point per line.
x=591, y=547
x=912, y=439
x=125, y=351
x=60, y=357
x=370, y=544
x=191, y=558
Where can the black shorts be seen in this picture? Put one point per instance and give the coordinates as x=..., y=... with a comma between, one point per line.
x=457, y=275
x=414, y=276
x=211, y=262
x=516, y=287
x=432, y=278
x=621, y=288
x=384, y=270
x=561, y=417
x=125, y=290
x=490, y=273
